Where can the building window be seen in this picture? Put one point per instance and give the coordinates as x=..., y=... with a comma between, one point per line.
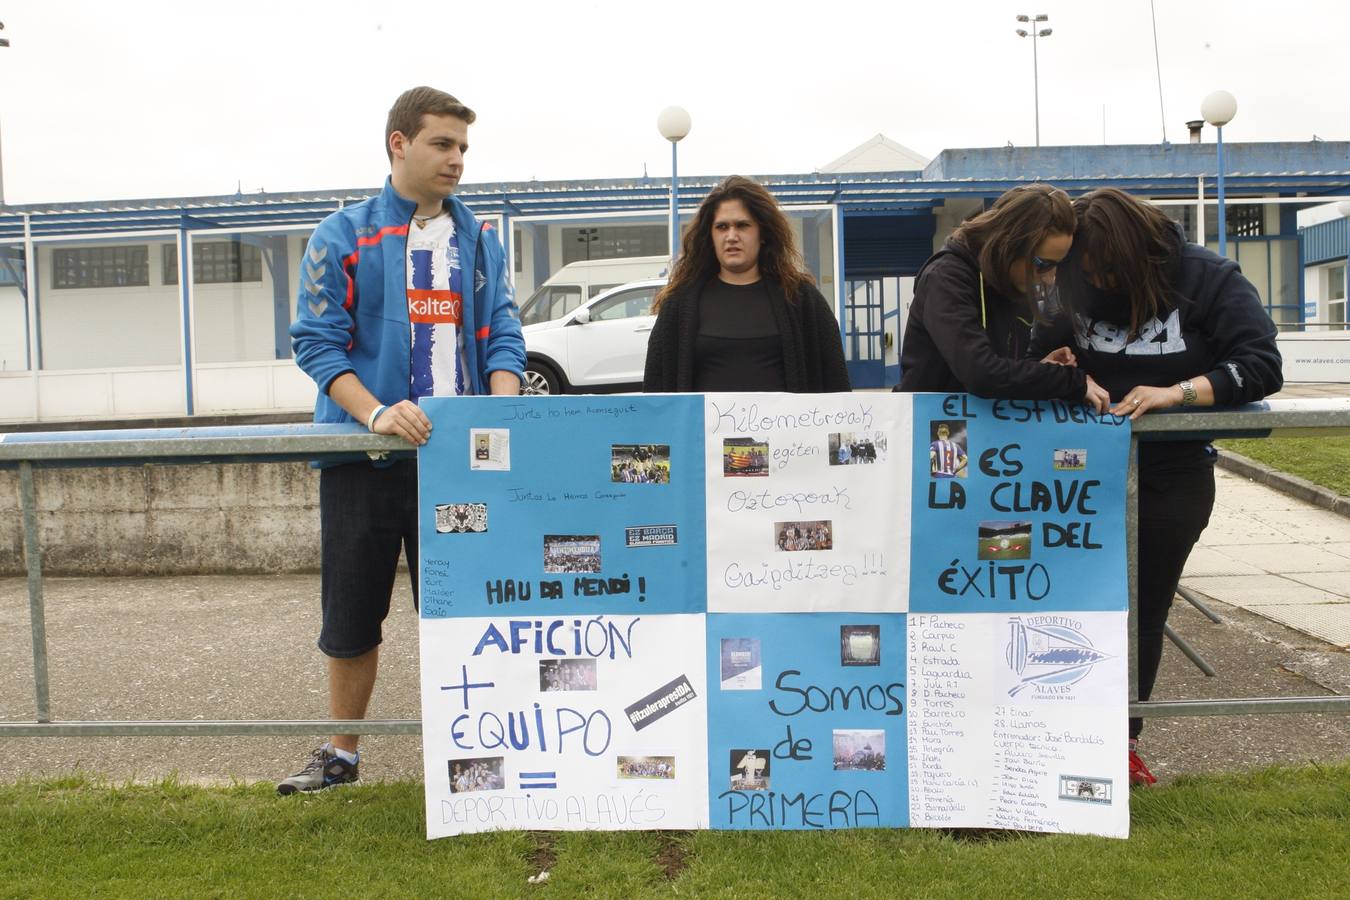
x=1185, y=217
x=217, y=262
x=1246, y=220
x=101, y=267
x=1336, y=298
x=613, y=241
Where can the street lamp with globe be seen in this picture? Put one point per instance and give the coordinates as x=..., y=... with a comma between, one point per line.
x=674, y=124
x=1218, y=110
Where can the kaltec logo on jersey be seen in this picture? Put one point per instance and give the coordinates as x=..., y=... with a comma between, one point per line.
x=1050, y=653
x=434, y=307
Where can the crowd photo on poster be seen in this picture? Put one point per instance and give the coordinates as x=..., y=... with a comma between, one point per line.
x=639, y=464
x=816, y=534
x=480, y=774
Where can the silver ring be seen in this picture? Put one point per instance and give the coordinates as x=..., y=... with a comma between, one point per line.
x=1136, y=403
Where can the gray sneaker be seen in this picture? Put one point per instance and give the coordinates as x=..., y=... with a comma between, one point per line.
x=324, y=769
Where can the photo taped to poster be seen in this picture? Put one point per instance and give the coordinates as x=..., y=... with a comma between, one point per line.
x=744, y=457
x=639, y=464
x=850, y=448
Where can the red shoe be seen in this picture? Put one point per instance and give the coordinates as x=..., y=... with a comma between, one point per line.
x=1139, y=773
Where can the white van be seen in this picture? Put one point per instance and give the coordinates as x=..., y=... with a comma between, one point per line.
x=577, y=282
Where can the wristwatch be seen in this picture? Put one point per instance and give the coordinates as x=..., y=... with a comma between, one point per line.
x=1187, y=393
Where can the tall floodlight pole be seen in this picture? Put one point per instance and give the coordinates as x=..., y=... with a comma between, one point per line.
x=1218, y=109
x=1034, y=33
x=674, y=124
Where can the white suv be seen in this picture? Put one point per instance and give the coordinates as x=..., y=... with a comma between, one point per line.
x=599, y=347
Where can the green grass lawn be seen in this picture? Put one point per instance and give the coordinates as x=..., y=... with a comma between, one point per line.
x=1321, y=460
x=1274, y=833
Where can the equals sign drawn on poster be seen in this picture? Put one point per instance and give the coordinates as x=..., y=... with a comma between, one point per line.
x=538, y=781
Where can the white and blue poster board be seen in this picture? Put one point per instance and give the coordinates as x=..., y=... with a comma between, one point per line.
x=773, y=611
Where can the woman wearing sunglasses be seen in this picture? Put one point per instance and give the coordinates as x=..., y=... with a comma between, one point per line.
x=975, y=301
x=1160, y=323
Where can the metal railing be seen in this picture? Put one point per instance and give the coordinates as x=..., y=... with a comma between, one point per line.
x=285, y=443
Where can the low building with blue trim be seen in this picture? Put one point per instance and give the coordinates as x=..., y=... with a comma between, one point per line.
x=99, y=320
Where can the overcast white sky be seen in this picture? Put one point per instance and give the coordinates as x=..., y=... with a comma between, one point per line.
x=158, y=99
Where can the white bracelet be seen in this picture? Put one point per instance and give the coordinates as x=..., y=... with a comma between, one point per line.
x=374, y=414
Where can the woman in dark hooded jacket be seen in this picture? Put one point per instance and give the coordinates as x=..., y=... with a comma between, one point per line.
x=976, y=299
x=1159, y=323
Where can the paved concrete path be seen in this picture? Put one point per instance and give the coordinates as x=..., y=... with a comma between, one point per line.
x=1271, y=554
x=208, y=647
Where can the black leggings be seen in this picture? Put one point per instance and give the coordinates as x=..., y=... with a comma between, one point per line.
x=1173, y=511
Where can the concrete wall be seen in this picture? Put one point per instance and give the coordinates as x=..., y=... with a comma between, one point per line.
x=167, y=520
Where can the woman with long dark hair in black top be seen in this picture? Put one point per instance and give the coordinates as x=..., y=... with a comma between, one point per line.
x=740, y=312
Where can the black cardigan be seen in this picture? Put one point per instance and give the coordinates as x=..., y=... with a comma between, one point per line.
x=813, y=353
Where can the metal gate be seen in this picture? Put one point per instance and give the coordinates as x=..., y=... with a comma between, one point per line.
x=351, y=441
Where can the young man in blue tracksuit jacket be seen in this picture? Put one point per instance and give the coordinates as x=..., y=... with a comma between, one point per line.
x=402, y=296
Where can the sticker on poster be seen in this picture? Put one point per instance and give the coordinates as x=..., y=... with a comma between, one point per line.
x=650, y=536
x=1081, y=789
x=490, y=449
x=741, y=666
x=660, y=703
x=461, y=518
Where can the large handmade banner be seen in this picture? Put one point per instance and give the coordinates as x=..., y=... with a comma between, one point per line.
x=769, y=611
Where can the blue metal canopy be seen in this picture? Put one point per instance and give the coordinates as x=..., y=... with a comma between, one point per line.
x=1312, y=169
